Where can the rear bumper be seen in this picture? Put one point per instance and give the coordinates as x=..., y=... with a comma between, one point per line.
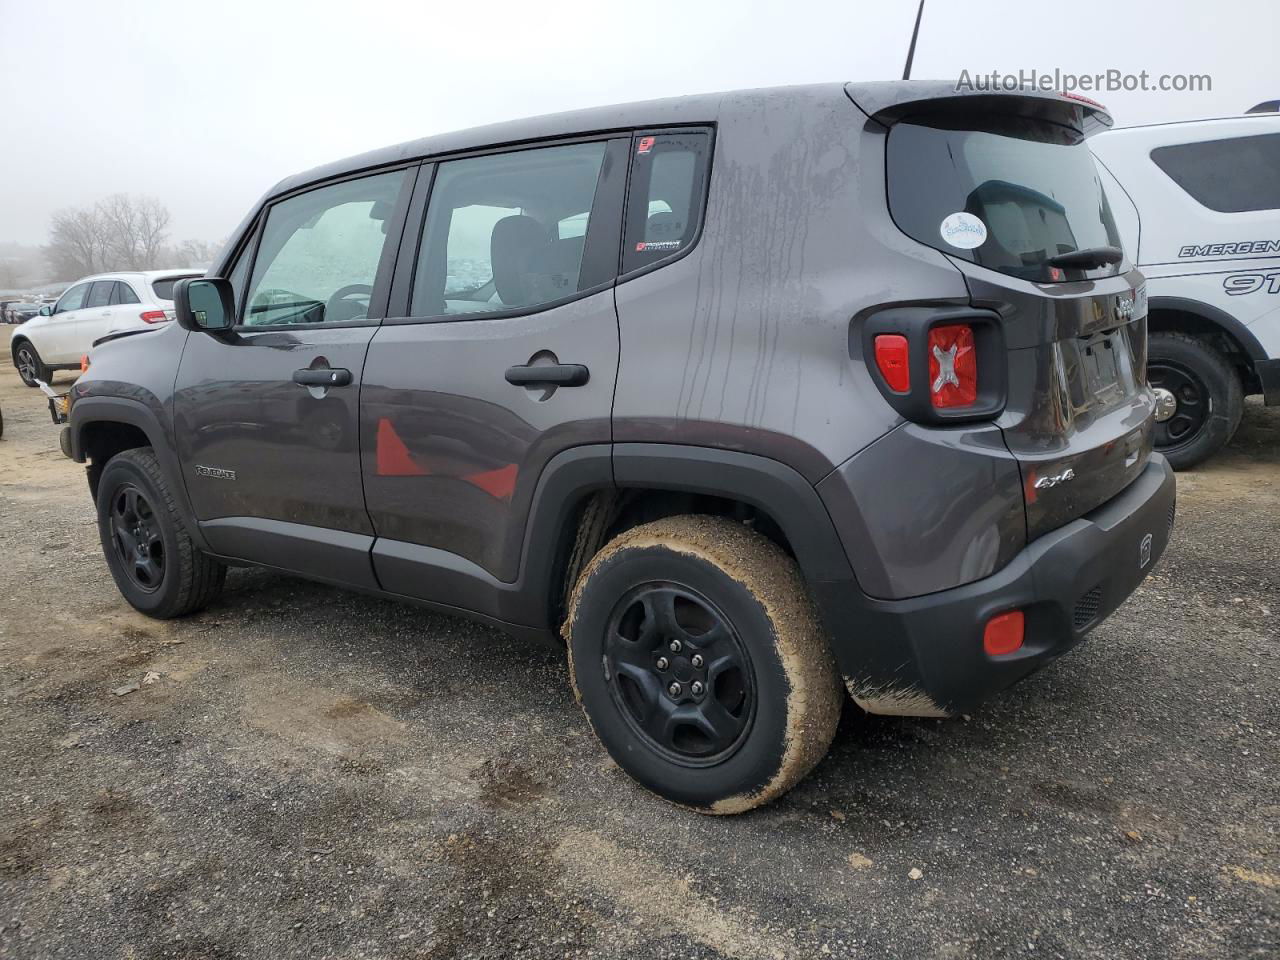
x=924, y=657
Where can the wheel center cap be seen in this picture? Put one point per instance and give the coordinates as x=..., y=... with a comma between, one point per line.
x=1166, y=404
x=682, y=669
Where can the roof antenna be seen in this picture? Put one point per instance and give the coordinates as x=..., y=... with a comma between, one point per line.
x=911, y=50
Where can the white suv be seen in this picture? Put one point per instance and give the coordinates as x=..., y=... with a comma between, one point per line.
x=1198, y=208
x=92, y=308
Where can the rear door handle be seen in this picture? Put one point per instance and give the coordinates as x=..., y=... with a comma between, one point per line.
x=322, y=377
x=550, y=374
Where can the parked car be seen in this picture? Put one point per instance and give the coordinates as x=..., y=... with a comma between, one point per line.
x=22, y=311
x=753, y=398
x=1198, y=205
x=91, y=308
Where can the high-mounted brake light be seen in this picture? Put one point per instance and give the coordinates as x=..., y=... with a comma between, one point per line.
x=153, y=316
x=1076, y=96
x=891, y=359
x=953, y=366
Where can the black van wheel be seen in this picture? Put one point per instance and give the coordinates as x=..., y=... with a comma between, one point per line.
x=700, y=663
x=148, y=550
x=30, y=367
x=1199, y=398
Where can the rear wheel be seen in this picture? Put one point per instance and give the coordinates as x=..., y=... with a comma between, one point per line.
x=699, y=661
x=1199, y=398
x=30, y=367
x=148, y=550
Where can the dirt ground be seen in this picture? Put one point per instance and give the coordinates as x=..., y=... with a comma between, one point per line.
x=313, y=773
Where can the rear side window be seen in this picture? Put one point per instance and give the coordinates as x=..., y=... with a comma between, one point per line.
x=124, y=294
x=100, y=295
x=509, y=231
x=665, y=200
x=1236, y=175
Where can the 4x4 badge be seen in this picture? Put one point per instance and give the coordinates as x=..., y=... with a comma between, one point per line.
x=1144, y=552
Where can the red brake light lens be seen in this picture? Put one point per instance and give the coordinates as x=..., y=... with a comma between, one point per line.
x=891, y=358
x=953, y=366
x=153, y=316
x=1004, y=633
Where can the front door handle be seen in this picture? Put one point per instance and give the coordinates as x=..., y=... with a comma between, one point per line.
x=548, y=374
x=322, y=377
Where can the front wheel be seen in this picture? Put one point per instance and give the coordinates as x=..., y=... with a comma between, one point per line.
x=30, y=367
x=147, y=547
x=1199, y=398
x=700, y=663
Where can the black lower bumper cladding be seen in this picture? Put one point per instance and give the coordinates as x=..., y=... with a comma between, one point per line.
x=924, y=656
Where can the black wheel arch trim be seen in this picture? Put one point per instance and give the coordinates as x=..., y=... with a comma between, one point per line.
x=1216, y=315
x=97, y=409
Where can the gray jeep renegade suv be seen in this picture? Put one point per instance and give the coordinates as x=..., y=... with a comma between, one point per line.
x=752, y=398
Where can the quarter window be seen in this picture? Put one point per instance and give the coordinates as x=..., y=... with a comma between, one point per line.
x=668, y=183
x=1234, y=175
x=507, y=231
x=124, y=294
x=320, y=251
x=73, y=299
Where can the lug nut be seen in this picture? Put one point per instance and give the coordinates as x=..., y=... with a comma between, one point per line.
x=674, y=689
x=696, y=687
x=662, y=663
x=674, y=646
x=697, y=661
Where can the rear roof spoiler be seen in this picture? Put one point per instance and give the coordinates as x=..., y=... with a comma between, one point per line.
x=889, y=101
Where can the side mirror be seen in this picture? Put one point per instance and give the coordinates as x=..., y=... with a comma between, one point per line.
x=46, y=310
x=204, y=304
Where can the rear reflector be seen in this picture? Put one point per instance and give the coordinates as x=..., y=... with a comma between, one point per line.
x=1004, y=633
x=153, y=316
x=891, y=358
x=953, y=366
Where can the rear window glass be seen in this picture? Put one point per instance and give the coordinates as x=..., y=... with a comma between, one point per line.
x=1013, y=194
x=163, y=288
x=1235, y=175
x=668, y=185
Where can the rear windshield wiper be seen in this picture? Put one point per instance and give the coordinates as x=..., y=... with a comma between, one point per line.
x=1089, y=259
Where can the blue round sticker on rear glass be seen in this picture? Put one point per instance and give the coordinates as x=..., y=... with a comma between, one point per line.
x=963, y=230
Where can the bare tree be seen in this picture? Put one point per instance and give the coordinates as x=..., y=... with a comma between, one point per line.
x=195, y=253
x=118, y=233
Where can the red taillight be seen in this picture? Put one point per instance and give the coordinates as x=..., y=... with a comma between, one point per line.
x=84, y=363
x=153, y=316
x=891, y=358
x=1003, y=633
x=953, y=366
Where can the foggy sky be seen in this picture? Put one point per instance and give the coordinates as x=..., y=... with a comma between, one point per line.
x=207, y=105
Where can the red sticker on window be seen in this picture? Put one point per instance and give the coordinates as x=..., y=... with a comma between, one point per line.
x=646, y=144
x=639, y=246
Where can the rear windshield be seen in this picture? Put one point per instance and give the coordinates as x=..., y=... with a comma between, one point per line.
x=163, y=287
x=1007, y=196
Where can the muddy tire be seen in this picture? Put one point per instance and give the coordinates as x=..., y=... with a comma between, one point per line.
x=1207, y=398
x=30, y=367
x=700, y=663
x=146, y=544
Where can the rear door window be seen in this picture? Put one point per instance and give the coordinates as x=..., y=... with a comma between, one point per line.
x=1004, y=193
x=100, y=295
x=512, y=231
x=1234, y=175
x=666, y=197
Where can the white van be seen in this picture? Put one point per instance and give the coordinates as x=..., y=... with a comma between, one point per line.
x=1198, y=208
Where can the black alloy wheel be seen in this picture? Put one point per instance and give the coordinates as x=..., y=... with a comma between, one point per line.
x=136, y=538
x=1186, y=417
x=679, y=674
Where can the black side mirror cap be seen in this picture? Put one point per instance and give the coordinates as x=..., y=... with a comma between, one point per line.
x=204, y=304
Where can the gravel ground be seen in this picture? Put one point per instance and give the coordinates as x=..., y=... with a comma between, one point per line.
x=319, y=774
